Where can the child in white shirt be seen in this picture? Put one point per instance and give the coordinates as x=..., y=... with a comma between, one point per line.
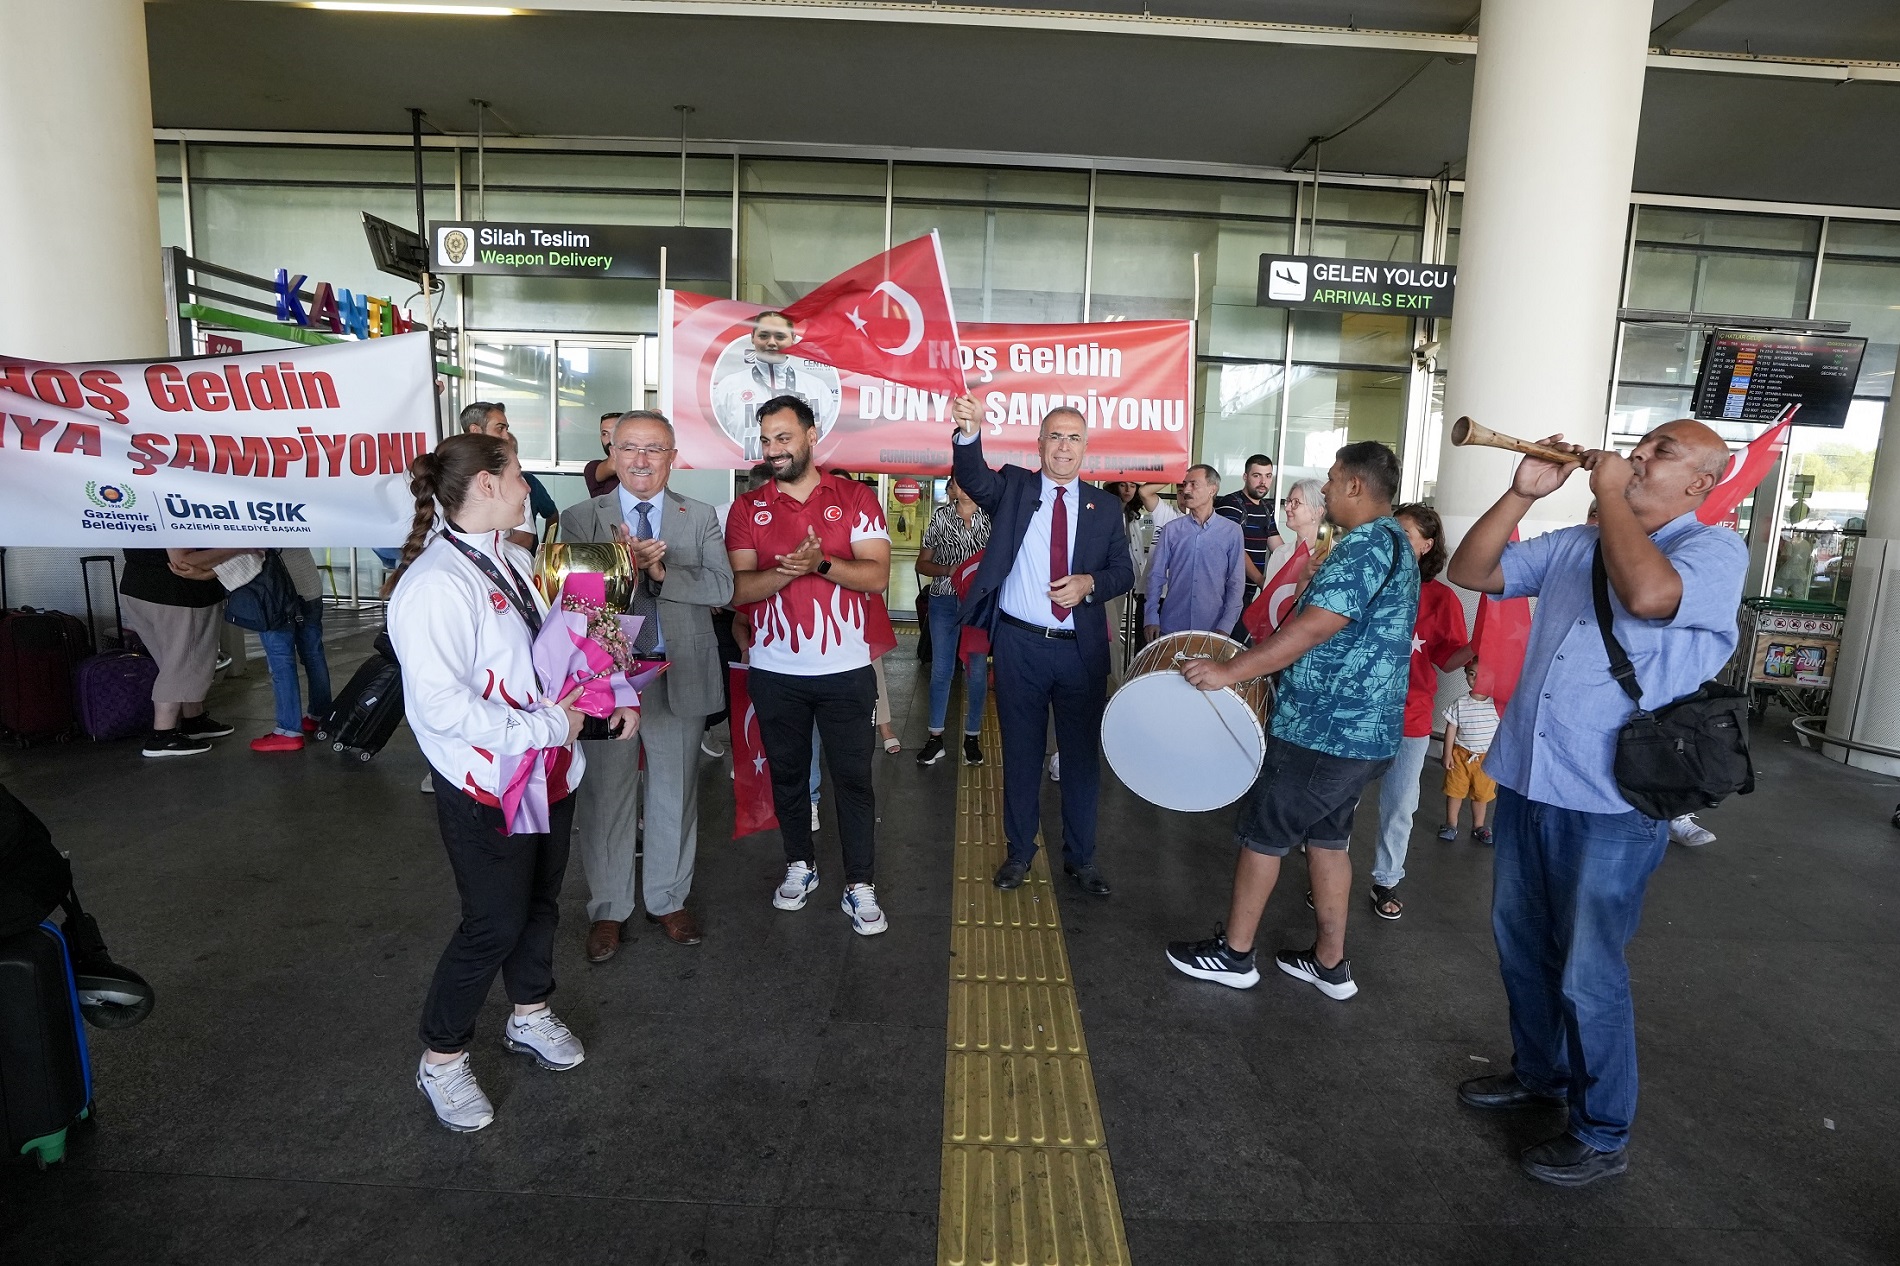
x=1470, y=724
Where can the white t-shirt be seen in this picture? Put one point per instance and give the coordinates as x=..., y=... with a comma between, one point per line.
x=1477, y=722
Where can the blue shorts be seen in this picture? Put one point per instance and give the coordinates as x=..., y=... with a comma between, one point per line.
x=1303, y=797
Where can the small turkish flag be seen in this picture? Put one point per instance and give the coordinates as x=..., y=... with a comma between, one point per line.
x=1499, y=637
x=1268, y=611
x=970, y=639
x=1746, y=471
x=889, y=317
x=751, y=777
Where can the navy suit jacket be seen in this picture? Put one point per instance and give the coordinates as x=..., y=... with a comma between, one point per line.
x=1009, y=496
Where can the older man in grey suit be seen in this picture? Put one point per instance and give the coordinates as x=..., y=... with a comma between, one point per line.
x=679, y=546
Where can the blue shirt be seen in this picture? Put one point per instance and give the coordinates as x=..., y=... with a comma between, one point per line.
x=1202, y=569
x=1557, y=744
x=629, y=510
x=1346, y=696
x=1025, y=592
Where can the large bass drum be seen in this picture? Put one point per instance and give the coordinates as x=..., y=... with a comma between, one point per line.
x=1179, y=747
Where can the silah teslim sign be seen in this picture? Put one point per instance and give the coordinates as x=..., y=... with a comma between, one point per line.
x=577, y=250
x=1356, y=285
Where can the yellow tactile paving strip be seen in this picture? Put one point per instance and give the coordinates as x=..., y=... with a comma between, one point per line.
x=1026, y=1175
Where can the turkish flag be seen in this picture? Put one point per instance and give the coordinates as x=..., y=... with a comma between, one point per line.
x=751, y=776
x=889, y=317
x=1746, y=471
x=970, y=639
x=1499, y=637
x=1268, y=611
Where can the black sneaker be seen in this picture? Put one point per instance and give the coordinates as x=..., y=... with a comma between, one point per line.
x=175, y=743
x=1212, y=960
x=973, y=752
x=933, y=750
x=1334, y=982
x=204, y=726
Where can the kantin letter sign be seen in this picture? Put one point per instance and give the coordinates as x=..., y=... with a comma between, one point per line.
x=1356, y=285
x=577, y=250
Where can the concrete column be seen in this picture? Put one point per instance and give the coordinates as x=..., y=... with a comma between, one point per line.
x=80, y=218
x=1554, y=113
x=1865, y=704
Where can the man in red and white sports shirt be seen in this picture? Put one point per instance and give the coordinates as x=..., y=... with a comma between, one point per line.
x=810, y=561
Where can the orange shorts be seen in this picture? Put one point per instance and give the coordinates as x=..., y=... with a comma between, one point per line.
x=1466, y=779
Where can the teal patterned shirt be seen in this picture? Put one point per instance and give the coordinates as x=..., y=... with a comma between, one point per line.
x=1346, y=696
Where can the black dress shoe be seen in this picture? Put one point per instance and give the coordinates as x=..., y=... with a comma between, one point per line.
x=1090, y=879
x=1568, y=1161
x=1504, y=1090
x=1011, y=874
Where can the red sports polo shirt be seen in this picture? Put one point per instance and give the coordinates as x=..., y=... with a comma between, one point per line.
x=1439, y=634
x=813, y=627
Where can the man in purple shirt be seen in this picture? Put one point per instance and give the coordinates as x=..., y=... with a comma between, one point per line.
x=1573, y=858
x=1199, y=563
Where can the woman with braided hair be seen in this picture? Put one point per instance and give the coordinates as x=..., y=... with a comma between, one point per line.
x=462, y=617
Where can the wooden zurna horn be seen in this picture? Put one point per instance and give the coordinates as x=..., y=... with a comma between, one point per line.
x=1464, y=432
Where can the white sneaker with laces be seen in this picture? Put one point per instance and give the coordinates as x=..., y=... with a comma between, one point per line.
x=860, y=902
x=542, y=1035
x=1686, y=831
x=800, y=879
x=458, y=1101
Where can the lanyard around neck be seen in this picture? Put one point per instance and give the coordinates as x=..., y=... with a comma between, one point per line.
x=516, y=593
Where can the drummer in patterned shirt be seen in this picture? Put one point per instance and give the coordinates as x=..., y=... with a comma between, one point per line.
x=811, y=558
x=1336, y=725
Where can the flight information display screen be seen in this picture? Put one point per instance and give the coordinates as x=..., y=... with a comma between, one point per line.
x=1753, y=375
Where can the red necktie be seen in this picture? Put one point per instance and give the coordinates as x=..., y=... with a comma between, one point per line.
x=1059, y=552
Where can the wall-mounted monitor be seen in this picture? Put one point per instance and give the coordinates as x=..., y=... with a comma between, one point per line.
x=1753, y=375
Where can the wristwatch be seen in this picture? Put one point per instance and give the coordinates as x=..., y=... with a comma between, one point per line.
x=824, y=567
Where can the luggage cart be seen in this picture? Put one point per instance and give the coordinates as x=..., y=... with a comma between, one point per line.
x=1787, y=651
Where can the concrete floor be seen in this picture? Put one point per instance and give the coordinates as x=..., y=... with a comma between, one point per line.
x=776, y=1094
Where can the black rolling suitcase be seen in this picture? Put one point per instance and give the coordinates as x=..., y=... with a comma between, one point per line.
x=45, y=1073
x=370, y=707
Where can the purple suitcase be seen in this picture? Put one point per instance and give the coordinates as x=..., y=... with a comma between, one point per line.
x=113, y=689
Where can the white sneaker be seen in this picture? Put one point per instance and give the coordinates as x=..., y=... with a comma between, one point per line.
x=860, y=902
x=1055, y=768
x=800, y=879
x=814, y=815
x=1687, y=831
x=458, y=1102
x=542, y=1035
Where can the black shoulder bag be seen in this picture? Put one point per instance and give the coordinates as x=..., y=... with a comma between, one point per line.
x=1685, y=755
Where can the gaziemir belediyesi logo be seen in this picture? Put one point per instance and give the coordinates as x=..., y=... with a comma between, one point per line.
x=111, y=496
x=112, y=510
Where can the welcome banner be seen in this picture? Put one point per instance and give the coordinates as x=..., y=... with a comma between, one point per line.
x=1131, y=379
x=298, y=446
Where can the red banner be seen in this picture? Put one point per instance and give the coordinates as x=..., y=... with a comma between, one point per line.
x=1130, y=379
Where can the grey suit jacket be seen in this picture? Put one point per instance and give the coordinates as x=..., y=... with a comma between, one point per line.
x=698, y=578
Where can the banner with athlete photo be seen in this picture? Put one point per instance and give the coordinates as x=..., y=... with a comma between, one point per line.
x=295, y=446
x=1132, y=381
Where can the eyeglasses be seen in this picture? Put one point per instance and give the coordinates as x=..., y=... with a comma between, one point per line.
x=642, y=450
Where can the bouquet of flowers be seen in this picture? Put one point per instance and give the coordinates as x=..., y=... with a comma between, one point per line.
x=582, y=643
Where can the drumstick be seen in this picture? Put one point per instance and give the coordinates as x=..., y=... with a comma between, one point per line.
x=1209, y=696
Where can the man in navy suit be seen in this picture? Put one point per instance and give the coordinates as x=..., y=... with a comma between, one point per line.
x=1058, y=551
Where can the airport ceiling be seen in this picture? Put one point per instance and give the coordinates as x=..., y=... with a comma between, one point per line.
x=1012, y=78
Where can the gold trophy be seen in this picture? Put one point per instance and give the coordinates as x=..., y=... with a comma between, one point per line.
x=555, y=560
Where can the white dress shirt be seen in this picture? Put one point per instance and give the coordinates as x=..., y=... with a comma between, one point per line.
x=629, y=510
x=1026, y=589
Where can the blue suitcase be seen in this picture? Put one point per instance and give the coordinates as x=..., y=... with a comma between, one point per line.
x=45, y=1071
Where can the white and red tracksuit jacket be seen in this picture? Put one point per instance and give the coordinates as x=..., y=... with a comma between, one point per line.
x=469, y=687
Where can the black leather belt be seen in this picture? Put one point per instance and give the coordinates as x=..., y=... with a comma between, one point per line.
x=1066, y=635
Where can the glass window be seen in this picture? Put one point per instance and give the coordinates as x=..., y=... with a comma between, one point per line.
x=1196, y=195
x=1830, y=474
x=171, y=214
x=1352, y=338
x=328, y=164
x=166, y=154
x=515, y=375
x=1860, y=284
x=788, y=248
x=1144, y=268
x=1699, y=261
x=989, y=184
x=590, y=381
x=823, y=177
x=568, y=171
x=1454, y=225
x=1330, y=408
x=1005, y=264
x=1239, y=407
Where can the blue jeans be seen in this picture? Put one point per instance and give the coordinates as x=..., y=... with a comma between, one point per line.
x=1567, y=894
x=1398, y=802
x=282, y=649
x=944, y=632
